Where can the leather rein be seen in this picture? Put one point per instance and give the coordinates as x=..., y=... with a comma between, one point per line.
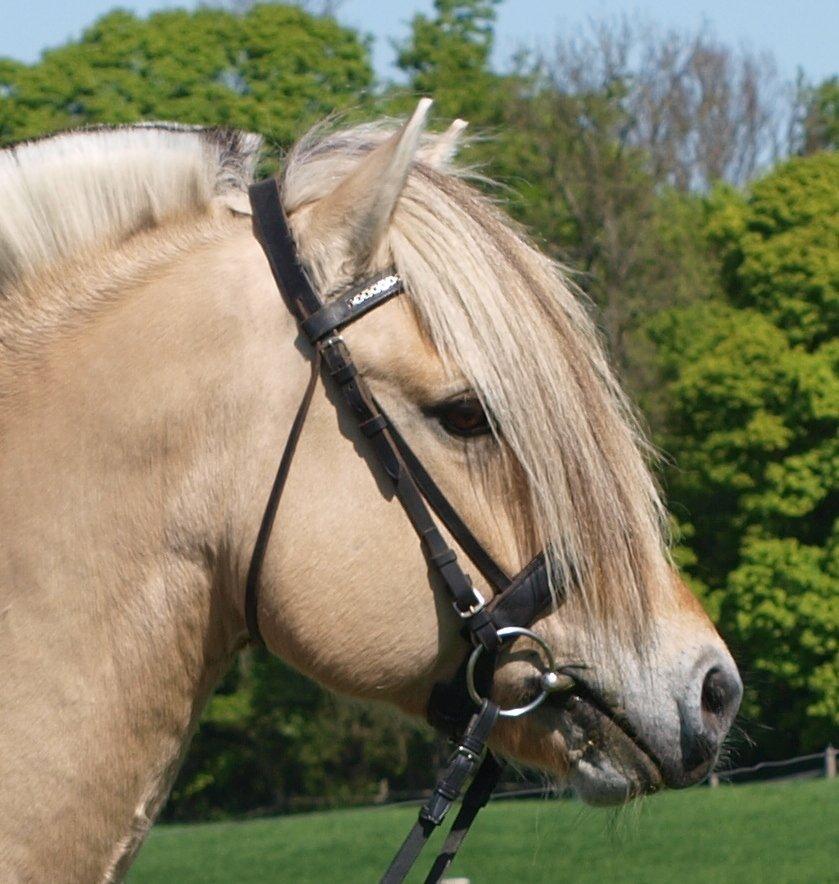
x=461, y=709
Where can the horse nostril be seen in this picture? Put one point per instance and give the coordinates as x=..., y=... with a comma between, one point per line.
x=713, y=693
x=721, y=692
x=704, y=728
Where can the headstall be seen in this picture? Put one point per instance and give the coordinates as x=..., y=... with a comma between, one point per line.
x=461, y=709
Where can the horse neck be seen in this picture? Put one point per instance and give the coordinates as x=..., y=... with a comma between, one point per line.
x=118, y=479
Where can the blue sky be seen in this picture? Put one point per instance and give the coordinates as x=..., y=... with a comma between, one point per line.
x=803, y=33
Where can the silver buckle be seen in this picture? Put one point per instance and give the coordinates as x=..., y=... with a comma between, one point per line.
x=473, y=609
x=331, y=341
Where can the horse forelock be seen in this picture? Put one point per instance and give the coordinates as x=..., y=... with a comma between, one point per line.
x=509, y=320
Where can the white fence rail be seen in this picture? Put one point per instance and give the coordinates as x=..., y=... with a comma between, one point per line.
x=813, y=765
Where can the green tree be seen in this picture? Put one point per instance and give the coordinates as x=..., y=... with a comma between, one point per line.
x=447, y=56
x=633, y=242
x=780, y=248
x=752, y=384
x=274, y=69
x=784, y=610
x=821, y=117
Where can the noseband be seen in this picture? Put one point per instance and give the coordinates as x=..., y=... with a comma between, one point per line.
x=461, y=708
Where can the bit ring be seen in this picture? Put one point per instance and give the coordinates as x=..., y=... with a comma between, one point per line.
x=549, y=685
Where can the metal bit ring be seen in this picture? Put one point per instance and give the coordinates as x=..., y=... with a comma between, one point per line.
x=549, y=684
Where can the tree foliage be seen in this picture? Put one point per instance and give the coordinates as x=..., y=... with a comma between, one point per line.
x=273, y=69
x=699, y=110
x=629, y=238
x=821, y=117
x=780, y=248
x=782, y=606
x=448, y=56
x=752, y=386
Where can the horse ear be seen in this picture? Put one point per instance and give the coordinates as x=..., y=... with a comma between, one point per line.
x=445, y=147
x=357, y=213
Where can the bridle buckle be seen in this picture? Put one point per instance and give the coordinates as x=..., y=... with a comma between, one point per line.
x=475, y=608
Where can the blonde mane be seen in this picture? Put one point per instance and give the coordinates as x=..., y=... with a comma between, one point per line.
x=95, y=188
x=506, y=316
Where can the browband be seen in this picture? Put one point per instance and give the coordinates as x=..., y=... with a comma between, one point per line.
x=350, y=305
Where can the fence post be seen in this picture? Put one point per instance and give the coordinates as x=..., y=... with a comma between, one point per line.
x=383, y=792
x=830, y=762
x=714, y=780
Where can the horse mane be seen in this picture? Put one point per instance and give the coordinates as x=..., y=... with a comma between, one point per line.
x=505, y=316
x=94, y=188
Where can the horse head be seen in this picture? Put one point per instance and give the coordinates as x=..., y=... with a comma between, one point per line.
x=493, y=372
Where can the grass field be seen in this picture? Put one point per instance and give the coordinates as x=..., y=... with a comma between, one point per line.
x=765, y=834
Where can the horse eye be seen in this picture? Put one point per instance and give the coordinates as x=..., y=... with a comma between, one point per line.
x=463, y=417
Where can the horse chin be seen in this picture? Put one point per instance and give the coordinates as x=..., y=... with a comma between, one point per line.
x=600, y=781
x=603, y=763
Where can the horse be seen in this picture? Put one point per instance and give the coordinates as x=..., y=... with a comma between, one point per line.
x=149, y=375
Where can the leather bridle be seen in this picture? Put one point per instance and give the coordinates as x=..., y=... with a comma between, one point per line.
x=461, y=708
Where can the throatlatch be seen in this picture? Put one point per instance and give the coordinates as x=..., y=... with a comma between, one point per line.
x=461, y=708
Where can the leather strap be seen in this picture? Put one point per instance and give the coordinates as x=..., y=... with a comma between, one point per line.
x=439, y=554
x=258, y=555
x=522, y=603
x=278, y=244
x=477, y=795
x=483, y=561
x=462, y=765
x=304, y=302
x=351, y=305
x=526, y=598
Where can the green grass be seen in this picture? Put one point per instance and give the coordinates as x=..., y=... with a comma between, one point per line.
x=762, y=833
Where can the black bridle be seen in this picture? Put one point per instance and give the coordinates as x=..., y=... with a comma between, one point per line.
x=460, y=708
